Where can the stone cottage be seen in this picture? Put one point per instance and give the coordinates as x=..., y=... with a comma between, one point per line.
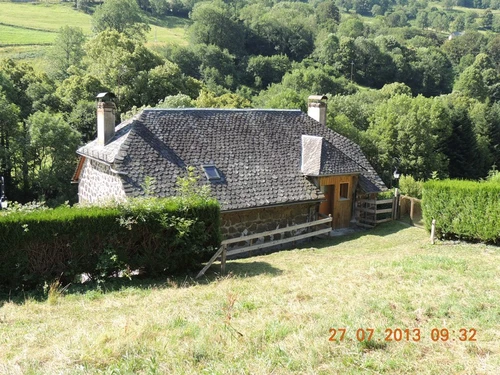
x=267, y=168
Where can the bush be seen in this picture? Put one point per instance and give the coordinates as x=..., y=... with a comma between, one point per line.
x=158, y=236
x=463, y=209
x=411, y=187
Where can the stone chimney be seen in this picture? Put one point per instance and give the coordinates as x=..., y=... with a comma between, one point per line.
x=105, y=118
x=316, y=108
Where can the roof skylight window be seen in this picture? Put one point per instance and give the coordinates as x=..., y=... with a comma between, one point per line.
x=211, y=172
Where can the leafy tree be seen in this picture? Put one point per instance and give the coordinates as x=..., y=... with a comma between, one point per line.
x=268, y=69
x=286, y=28
x=176, y=101
x=328, y=15
x=208, y=19
x=432, y=72
x=120, y=63
x=372, y=67
x=458, y=24
x=167, y=79
x=52, y=144
x=9, y=135
x=67, y=51
x=277, y=96
x=83, y=118
x=396, y=19
x=208, y=99
x=469, y=43
x=488, y=19
x=412, y=130
x=327, y=49
x=123, y=16
x=462, y=149
x=352, y=28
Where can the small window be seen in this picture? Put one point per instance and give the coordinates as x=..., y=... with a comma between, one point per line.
x=344, y=190
x=211, y=172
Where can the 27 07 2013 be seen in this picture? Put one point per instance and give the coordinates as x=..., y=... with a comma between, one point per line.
x=403, y=334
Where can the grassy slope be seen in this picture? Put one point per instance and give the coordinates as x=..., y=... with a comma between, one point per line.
x=284, y=305
x=26, y=29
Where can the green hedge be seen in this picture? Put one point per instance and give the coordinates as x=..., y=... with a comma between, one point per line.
x=157, y=236
x=463, y=209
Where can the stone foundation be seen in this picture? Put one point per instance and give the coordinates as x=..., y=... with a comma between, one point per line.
x=243, y=223
x=98, y=184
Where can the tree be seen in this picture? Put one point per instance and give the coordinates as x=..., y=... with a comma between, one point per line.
x=208, y=19
x=123, y=16
x=432, y=72
x=209, y=99
x=488, y=19
x=9, y=135
x=117, y=62
x=52, y=143
x=67, y=51
x=328, y=15
x=268, y=69
x=412, y=130
x=352, y=28
x=461, y=147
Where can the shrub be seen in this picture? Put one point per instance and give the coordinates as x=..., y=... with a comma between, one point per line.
x=156, y=235
x=463, y=209
x=411, y=187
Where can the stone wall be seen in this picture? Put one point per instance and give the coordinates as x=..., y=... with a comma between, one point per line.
x=243, y=223
x=98, y=184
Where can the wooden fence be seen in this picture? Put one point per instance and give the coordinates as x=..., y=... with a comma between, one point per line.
x=368, y=212
x=223, y=252
x=412, y=207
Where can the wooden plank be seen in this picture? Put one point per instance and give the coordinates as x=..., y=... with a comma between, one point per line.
x=276, y=231
x=384, y=220
x=278, y=242
x=370, y=201
x=216, y=255
x=223, y=260
x=384, y=201
x=369, y=210
x=384, y=211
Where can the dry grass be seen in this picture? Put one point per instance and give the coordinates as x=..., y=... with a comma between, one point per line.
x=273, y=314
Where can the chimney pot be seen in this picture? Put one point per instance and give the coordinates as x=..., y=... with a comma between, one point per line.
x=316, y=108
x=106, y=110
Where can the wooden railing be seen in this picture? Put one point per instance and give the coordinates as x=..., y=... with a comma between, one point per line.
x=223, y=252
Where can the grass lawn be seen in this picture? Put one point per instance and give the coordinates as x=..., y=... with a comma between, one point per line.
x=273, y=314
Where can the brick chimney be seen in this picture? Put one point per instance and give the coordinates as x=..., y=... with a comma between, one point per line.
x=105, y=118
x=316, y=108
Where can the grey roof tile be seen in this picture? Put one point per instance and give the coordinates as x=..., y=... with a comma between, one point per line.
x=257, y=152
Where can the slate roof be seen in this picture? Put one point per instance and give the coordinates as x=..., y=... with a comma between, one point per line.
x=257, y=153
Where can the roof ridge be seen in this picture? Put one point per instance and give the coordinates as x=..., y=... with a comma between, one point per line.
x=222, y=110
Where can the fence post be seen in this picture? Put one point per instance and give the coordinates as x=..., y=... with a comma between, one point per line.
x=223, y=260
x=433, y=230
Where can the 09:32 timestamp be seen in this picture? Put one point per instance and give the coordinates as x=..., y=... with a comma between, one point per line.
x=400, y=334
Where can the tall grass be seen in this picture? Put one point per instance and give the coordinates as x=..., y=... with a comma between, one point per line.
x=273, y=314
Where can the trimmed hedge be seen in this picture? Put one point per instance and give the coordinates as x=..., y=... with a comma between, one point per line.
x=463, y=209
x=157, y=236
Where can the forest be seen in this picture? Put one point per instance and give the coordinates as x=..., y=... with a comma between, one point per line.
x=415, y=83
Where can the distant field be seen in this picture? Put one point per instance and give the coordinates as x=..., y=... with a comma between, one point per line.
x=49, y=17
x=16, y=35
x=28, y=29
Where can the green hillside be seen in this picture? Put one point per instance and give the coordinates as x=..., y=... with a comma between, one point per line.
x=274, y=314
x=28, y=29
